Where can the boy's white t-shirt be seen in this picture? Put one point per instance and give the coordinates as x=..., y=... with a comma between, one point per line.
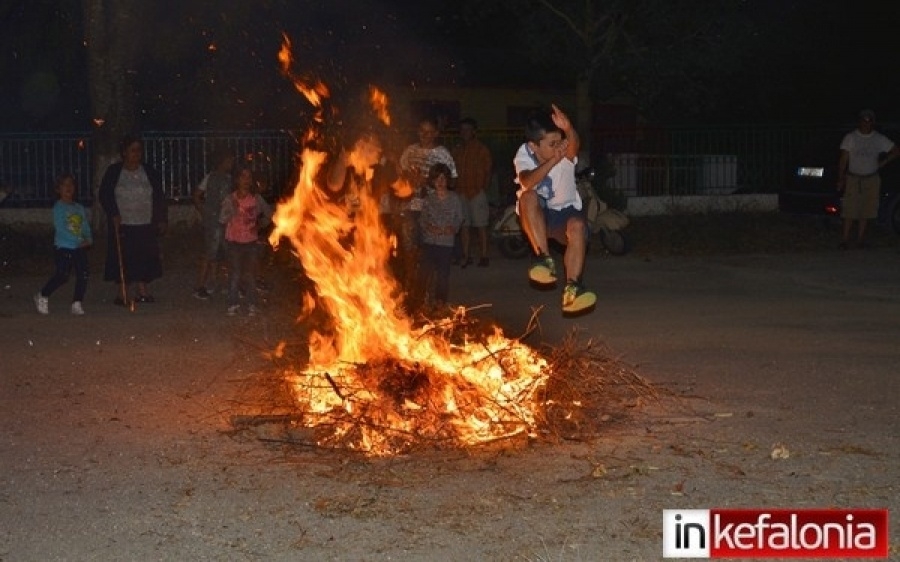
x=565, y=192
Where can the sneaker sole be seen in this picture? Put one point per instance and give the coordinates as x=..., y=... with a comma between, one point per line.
x=583, y=303
x=541, y=276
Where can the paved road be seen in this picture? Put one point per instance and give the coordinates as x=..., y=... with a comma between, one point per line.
x=112, y=446
x=816, y=335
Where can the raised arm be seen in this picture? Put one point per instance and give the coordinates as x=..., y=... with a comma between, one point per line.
x=563, y=122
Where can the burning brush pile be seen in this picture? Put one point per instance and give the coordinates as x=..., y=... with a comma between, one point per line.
x=378, y=382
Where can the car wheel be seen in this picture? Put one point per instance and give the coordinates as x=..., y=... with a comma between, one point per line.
x=513, y=247
x=614, y=241
x=895, y=216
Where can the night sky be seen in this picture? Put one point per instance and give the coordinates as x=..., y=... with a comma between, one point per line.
x=801, y=61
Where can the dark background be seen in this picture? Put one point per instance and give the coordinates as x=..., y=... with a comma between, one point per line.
x=212, y=65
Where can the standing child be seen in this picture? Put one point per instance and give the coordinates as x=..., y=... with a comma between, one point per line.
x=243, y=214
x=208, y=198
x=72, y=238
x=442, y=216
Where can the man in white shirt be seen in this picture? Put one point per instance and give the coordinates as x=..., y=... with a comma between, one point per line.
x=863, y=152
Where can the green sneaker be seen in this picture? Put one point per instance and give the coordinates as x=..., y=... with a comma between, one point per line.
x=543, y=271
x=577, y=299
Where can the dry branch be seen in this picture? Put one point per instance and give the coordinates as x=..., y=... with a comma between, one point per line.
x=587, y=388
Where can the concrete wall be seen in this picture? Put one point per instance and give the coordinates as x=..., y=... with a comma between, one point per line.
x=179, y=215
x=693, y=204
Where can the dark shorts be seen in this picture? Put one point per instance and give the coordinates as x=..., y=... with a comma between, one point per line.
x=557, y=220
x=214, y=242
x=476, y=210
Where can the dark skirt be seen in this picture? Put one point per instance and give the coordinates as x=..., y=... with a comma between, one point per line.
x=140, y=254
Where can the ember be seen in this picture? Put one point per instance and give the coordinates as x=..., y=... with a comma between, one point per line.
x=375, y=381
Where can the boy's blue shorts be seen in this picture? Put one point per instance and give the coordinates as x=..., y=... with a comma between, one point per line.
x=557, y=221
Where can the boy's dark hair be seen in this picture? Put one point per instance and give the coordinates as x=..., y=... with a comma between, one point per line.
x=437, y=170
x=218, y=155
x=239, y=166
x=430, y=120
x=65, y=176
x=538, y=124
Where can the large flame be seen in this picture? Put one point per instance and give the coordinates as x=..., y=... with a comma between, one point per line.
x=371, y=371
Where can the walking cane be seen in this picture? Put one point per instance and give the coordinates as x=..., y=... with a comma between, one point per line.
x=125, y=301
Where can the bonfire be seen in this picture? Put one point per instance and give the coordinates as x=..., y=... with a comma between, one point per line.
x=378, y=380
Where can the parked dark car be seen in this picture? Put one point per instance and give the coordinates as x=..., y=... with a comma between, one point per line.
x=811, y=188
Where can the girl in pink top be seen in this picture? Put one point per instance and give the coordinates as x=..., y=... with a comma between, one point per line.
x=244, y=213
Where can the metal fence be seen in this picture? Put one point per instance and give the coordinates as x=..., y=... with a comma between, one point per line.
x=30, y=163
x=672, y=161
x=712, y=160
x=183, y=158
x=640, y=161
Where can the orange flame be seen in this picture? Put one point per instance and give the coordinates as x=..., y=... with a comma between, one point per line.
x=379, y=101
x=315, y=93
x=479, y=391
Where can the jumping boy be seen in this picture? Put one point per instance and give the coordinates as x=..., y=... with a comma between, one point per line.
x=549, y=205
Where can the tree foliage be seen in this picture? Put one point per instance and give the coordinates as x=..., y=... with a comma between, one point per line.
x=211, y=63
x=41, y=63
x=672, y=58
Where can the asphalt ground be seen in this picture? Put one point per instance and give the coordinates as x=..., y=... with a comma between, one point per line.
x=116, y=446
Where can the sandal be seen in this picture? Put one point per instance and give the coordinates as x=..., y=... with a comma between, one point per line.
x=144, y=298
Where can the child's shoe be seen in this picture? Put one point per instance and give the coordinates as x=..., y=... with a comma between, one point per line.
x=576, y=299
x=233, y=309
x=77, y=309
x=252, y=310
x=543, y=271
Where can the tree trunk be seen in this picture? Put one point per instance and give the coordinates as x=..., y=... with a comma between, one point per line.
x=111, y=38
x=584, y=121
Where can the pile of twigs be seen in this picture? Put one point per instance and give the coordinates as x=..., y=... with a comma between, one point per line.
x=589, y=389
x=586, y=388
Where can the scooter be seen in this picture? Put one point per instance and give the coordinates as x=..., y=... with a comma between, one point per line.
x=604, y=222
